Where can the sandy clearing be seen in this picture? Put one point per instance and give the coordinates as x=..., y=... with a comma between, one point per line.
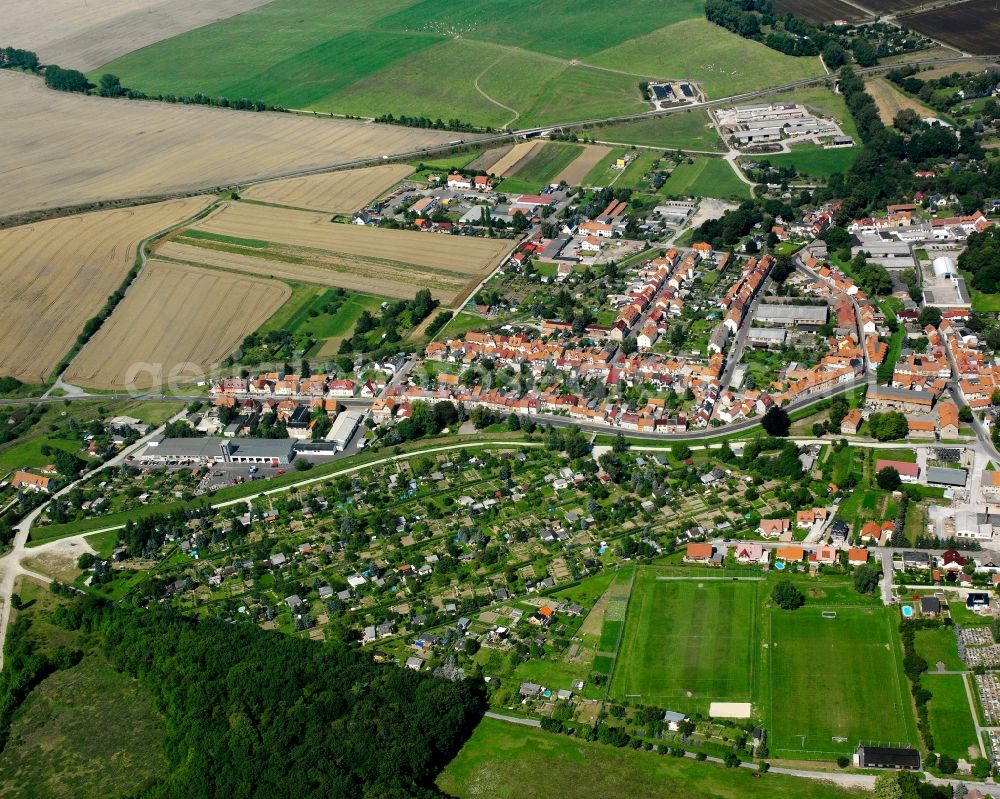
x=55, y=275
x=891, y=101
x=465, y=255
x=63, y=149
x=399, y=282
x=490, y=158
x=334, y=192
x=175, y=320
x=84, y=34
x=519, y=155
x=581, y=166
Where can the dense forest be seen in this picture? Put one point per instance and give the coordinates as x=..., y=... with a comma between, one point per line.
x=253, y=713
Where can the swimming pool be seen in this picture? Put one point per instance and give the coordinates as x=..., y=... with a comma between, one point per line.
x=907, y=612
x=779, y=565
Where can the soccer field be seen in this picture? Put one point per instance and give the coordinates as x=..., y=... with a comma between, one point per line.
x=835, y=682
x=687, y=643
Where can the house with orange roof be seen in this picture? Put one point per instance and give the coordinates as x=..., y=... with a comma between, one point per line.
x=699, y=553
x=774, y=528
x=856, y=556
x=791, y=554
x=947, y=419
x=31, y=482
x=920, y=428
x=851, y=422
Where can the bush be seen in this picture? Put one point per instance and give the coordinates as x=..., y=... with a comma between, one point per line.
x=947, y=764
x=843, y=761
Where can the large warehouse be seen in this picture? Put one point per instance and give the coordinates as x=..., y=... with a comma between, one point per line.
x=264, y=451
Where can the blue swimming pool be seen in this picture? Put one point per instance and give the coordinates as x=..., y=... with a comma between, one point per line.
x=779, y=565
x=907, y=611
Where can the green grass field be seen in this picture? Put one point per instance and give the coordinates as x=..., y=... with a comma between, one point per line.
x=555, y=62
x=541, y=170
x=78, y=718
x=706, y=177
x=687, y=643
x=722, y=62
x=817, y=162
x=505, y=761
x=835, y=682
x=949, y=715
x=634, y=175
x=686, y=131
x=407, y=57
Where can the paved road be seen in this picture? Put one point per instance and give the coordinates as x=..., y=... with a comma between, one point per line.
x=513, y=719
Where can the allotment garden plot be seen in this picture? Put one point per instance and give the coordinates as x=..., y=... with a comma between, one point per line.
x=835, y=682
x=688, y=642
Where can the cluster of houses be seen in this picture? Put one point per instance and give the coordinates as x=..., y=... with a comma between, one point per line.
x=753, y=553
x=280, y=384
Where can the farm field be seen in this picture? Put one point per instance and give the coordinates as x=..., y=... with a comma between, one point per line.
x=890, y=101
x=973, y=27
x=819, y=10
x=580, y=167
x=691, y=130
x=706, y=177
x=176, y=321
x=328, y=329
x=152, y=148
x=89, y=713
x=544, y=166
x=722, y=62
x=307, y=247
x=507, y=761
x=826, y=675
x=515, y=158
x=57, y=274
x=687, y=643
x=85, y=35
x=885, y=6
x=950, y=716
x=334, y=192
x=816, y=162
x=490, y=158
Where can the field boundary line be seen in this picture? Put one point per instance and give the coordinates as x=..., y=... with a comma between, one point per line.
x=621, y=633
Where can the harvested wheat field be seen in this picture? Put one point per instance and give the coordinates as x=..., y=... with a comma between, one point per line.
x=148, y=148
x=574, y=174
x=83, y=34
x=518, y=156
x=56, y=275
x=489, y=159
x=175, y=324
x=335, y=192
x=388, y=263
x=891, y=101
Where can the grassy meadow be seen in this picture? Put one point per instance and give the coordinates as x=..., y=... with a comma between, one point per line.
x=706, y=177
x=691, y=130
x=523, y=63
x=506, y=761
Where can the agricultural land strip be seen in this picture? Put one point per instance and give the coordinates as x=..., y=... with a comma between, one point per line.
x=333, y=192
x=574, y=174
x=176, y=320
x=305, y=246
x=57, y=274
x=154, y=148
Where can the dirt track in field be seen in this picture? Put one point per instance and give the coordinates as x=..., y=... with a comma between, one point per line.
x=55, y=275
x=176, y=320
x=890, y=101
